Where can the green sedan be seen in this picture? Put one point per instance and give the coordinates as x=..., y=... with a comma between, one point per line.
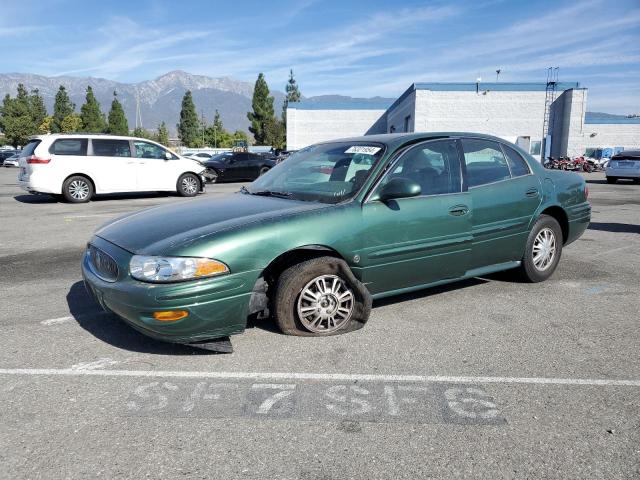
x=313, y=241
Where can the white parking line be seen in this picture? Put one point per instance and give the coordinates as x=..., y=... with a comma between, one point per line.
x=55, y=321
x=349, y=377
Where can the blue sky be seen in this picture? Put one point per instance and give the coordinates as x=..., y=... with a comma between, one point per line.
x=358, y=48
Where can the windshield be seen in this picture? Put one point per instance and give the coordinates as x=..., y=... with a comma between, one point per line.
x=327, y=173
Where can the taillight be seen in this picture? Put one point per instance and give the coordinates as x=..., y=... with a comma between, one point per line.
x=586, y=192
x=33, y=159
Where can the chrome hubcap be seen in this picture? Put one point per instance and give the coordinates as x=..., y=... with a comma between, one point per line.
x=189, y=185
x=79, y=189
x=325, y=304
x=544, y=249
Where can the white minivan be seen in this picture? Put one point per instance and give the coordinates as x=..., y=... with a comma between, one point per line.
x=77, y=166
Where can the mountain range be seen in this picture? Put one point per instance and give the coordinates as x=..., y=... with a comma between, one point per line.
x=159, y=99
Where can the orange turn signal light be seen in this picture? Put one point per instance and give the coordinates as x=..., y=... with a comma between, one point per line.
x=207, y=267
x=170, y=315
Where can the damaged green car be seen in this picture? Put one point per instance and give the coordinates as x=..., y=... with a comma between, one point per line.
x=335, y=225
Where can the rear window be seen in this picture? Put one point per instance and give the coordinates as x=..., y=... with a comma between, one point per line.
x=518, y=166
x=69, y=146
x=111, y=148
x=29, y=148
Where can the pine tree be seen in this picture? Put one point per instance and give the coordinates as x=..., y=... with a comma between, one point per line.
x=62, y=108
x=142, y=132
x=216, y=132
x=117, y=124
x=293, y=94
x=38, y=109
x=16, y=121
x=163, y=135
x=189, y=125
x=262, y=113
x=92, y=117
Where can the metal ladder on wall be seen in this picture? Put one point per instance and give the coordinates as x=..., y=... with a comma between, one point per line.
x=550, y=97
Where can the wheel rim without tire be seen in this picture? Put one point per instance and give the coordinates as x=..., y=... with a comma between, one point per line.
x=544, y=249
x=78, y=189
x=189, y=185
x=325, y=304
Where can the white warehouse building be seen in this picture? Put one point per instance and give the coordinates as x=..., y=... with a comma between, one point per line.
x=518, y=112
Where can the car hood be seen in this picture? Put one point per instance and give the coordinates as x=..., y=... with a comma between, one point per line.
x=214, y=163
x=163, y=229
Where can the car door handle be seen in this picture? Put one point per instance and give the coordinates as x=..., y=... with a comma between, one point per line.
x=458, y=210
x=532, y=192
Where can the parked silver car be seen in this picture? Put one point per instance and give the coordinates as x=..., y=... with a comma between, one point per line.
x=625, y=164
x=12, y=161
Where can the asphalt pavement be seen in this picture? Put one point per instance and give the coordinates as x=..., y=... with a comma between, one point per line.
x=486, y=378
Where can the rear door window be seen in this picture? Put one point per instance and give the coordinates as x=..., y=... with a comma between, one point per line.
x=485, y=162
x=29, y=148
x=69, y=146
x=111, y=148
x=518, y=166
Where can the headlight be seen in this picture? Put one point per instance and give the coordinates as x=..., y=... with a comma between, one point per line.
x=174, y=269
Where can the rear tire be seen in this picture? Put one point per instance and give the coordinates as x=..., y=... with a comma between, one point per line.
x=77, y=189
x=188, y=185
x=612, y=179
x=263, y=170
x=341, y=304
x=542, y=251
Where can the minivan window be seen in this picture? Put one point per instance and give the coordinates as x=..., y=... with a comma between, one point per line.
x=518, y=166
x=111, y=148
x=69, y=146
x=485, y=162
x=435, y=166
x=149, y=150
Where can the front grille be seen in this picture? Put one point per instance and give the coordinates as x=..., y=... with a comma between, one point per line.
x=103, y=265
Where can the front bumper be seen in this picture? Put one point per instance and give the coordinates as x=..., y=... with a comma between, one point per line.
x=217, y=306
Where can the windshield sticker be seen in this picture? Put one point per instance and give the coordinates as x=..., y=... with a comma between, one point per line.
x=363, y=149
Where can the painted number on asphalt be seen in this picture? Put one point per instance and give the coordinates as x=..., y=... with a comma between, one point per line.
x=361, y=401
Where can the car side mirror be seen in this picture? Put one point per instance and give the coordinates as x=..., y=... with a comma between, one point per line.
x=399, y=188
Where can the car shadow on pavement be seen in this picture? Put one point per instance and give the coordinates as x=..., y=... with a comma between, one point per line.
x=112, y=330
x=35, y=198
x=26, y=198
x=615, y=227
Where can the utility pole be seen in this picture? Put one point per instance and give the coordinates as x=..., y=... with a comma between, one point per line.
x=202, y=122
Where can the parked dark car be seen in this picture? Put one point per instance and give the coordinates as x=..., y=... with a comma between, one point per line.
x=4, y=154
x=235, y=166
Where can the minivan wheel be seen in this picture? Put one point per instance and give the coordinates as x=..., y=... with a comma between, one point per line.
x=188, y=185
x=77, y=189
x=543, y=250
x=320, y=297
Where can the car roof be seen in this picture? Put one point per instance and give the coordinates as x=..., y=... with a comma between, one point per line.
x=628, y=153
x=87, y=135
x=396, y=139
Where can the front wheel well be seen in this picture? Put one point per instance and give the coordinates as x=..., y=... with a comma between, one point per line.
x=266, y=283
x=294, y=256
x=561, y=217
